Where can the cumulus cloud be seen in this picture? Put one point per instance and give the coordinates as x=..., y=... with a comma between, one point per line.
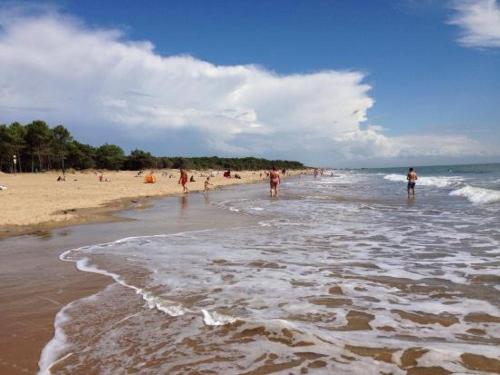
x=479, y=21
x=97, y=76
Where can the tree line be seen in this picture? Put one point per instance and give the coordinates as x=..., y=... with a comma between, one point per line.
x=36, y=147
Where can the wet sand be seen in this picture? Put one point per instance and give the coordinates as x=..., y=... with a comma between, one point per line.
x=35, y=284
x=36, y=203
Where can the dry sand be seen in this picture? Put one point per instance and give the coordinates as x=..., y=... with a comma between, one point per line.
x=38, y=202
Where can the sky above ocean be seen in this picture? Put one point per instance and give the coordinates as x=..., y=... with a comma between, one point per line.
x=339, y=83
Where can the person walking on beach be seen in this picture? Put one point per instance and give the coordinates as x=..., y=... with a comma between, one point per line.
x=274, y=180
x=183, y=180
x=412, y=178
x=207, y=184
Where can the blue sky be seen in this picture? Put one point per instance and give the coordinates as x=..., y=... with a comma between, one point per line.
x=420, y=76
x=433, y=96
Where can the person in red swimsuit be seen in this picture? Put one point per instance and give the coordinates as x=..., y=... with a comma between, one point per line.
x=183, y=179
x=274, y=180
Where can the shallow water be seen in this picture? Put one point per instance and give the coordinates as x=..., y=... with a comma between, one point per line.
x=342, y=274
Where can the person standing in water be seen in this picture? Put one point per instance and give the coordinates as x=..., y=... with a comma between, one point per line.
x=274, y=180
x=412, y=178
x=207, y=184
x=183, y=179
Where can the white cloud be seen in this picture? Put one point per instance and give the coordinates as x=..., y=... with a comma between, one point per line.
x=87, y=76
x=479, y=21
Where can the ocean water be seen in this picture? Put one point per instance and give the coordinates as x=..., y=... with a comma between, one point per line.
x=342, y=274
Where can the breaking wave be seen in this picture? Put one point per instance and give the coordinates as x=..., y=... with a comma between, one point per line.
x=477, y=195
x=440, y=182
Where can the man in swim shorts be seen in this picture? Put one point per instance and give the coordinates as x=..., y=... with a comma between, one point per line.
x=412, y=178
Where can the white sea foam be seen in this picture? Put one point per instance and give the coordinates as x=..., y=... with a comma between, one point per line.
x=164, y=305
x=216, y=319
x=382, y=259
x=477, y=194
x=52, y=351
x=441, y=181
x=56, y=345
x=168, y=307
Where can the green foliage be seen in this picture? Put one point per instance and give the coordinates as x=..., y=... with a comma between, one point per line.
x=5, y=148
x=110, y=157
x=60, y=141
x=38, y=147
x=38, y=137
x=81, y=156
x=139, y=159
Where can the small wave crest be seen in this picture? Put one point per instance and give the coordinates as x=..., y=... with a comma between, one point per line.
x=216, y=319
x=153, y=302
x=477, y=194
x=56, y=345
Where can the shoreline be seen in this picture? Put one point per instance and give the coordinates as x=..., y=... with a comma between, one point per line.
x=36, y=284
x=89, y=215
x=97, y=211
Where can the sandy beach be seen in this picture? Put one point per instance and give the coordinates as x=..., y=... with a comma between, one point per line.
x=35, y=203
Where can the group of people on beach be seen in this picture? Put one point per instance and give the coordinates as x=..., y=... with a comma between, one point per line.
x=274, y=180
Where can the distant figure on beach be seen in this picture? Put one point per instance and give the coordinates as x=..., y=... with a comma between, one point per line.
x=227, y=173
x=274, y=181
x=316, y=172
x=149, y=178
x=183, y=180
x=207, y=184
x=412, y=178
